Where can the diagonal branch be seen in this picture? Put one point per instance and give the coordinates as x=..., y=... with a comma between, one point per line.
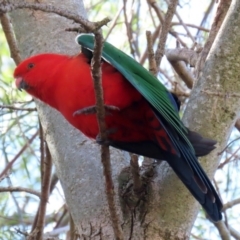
x=231, y=204
x=10, y=164
x=223, y=230
x=220, y=15
x=7, y=29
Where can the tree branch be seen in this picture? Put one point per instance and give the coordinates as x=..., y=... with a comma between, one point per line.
x=223, y=230
x=234, y=233
x=231, y=204
x=153, y=4
x=220, y=15
x=37, y=232
x=105, y=154
x=165, y=29
x=151, y=56
x=10, y=164
x=8, y=31
x=10, y=107
x=20, y=189
x=178, y=58
x=88, y=26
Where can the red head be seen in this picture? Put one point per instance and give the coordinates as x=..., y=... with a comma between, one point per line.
x=34, y=72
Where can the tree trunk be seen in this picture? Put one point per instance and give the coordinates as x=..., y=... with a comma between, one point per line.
x=169, y=210
x=214, y=104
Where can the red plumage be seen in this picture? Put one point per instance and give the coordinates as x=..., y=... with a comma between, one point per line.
x=68, y=87
x=65, y=83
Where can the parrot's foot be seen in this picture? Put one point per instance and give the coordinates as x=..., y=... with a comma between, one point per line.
x=100, y=141
x=93, y=110
x=105, y=142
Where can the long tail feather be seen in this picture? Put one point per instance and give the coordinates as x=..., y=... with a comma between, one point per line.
x=188, y=169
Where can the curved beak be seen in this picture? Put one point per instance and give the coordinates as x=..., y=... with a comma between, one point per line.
x=20, y=83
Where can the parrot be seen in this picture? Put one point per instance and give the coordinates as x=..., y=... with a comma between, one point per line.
x=142, y=116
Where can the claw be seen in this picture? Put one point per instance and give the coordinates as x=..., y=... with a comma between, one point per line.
x=93, y=110
x=101, y=141
x=106, y=142
x=86, y=110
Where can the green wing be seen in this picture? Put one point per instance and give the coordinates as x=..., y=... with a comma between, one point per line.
x=185, y=164
x=147, y=84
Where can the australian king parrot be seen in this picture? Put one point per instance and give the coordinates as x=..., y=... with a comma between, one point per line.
x=142, y=115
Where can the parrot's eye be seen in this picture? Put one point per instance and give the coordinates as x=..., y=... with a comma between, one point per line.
x=30, y=65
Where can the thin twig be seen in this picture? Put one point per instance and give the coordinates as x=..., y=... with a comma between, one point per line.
x=10, y=107
x=227, y=160
x=236, y=139
x=191, y=25
x=128, y=28
x=164, y=31
x=63, y=219
x=10, y=164
x=105, y=154
x=154, y=5
x=207, y=13
x=113, y=23
x=20, y=189
x=152, y=17
x=88, y=26
x=231, y=204
x=184, y=25
x=179, y=40
x=25, y=234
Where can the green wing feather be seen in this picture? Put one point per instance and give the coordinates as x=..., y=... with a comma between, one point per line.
x=147, y=84
x=160, y=99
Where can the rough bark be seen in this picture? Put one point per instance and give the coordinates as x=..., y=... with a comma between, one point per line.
x=213, y=107
x=170, y=211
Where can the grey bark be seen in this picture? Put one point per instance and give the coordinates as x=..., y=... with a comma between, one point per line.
x=214, y=104
x=170, y=211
